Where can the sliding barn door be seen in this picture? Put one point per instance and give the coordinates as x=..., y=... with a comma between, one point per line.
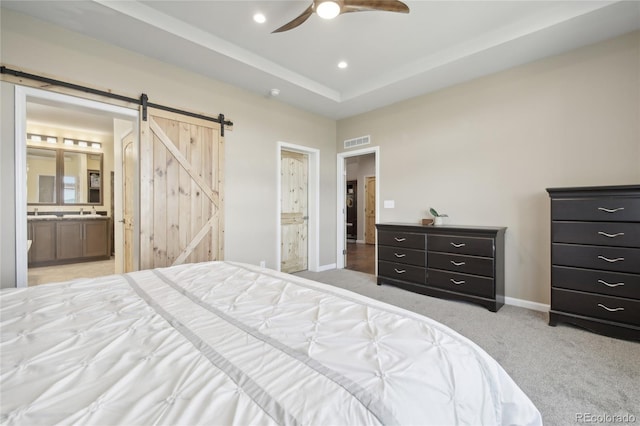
x=181, y=182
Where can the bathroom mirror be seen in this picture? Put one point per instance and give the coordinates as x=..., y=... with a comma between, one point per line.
x=41, y=176
x=63, y=177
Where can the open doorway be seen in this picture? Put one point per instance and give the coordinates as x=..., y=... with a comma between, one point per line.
x=66, y=228
x=358, y=209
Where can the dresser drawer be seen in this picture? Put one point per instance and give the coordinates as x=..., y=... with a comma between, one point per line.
x=459, y=263
x=604, y=307
x=462, y=283
x=609, y=209
x=596, y=257
x=593, y=281
x=402, y=255
x=618, y=234
x=461, y=245
x=402, y=239
x=398, y=271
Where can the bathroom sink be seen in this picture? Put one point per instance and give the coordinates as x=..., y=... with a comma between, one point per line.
x=83, y=216
x=42, y=216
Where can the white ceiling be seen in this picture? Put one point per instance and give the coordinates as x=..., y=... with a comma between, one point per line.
x=391, y=56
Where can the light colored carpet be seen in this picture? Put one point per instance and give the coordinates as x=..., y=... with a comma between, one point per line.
x=571, y=375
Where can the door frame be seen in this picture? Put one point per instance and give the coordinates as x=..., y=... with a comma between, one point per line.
x=313, y=224
x=21, y=96
x=341, y=235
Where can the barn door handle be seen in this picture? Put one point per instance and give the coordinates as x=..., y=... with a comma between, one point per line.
x=617, y=259
x=457, y=263
x=619, y=234
x=610, y=309
x=610, y=210
x=610, y=285
x=458, y=245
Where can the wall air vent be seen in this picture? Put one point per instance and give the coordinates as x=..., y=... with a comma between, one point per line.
x=362, y=140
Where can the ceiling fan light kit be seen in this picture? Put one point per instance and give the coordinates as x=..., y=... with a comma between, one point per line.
x=329, y=9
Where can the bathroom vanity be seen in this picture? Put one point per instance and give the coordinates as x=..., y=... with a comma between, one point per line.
x=67, y=238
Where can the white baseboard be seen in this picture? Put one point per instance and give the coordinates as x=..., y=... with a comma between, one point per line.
x=360, y=242
x=326, y=267
x=535, y=306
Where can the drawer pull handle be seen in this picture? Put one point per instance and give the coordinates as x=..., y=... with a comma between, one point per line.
x=602, y=209
x=458, y=245
x=610, y=285
x=399, y=239
x=401, y=271
x=457, y=263
x=617, y=259
x=457, y=282
x=619, y=234
x=399, y=254
x=610, y=309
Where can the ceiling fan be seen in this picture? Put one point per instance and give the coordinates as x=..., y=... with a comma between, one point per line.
x=329, y=9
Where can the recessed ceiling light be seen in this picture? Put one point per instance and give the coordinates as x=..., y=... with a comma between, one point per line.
x=259, y=18
x=342, y=65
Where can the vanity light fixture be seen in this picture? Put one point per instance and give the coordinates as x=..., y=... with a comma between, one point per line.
x=83, y=144
x=96, y=145
x=68, y=141
x=36, y=138
x=51, y=139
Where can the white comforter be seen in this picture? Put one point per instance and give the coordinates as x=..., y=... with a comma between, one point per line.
x=224, y=343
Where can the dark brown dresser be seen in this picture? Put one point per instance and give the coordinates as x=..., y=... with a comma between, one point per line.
x=454, y=262
x=595, y=259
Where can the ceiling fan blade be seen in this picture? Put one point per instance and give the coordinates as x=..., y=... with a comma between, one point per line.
x=295, y=22
x=384, y=5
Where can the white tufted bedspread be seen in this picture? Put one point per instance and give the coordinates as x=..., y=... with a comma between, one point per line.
x=222, y=343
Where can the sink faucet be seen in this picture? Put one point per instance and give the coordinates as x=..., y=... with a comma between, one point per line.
x=35, y=211
x=81, y=211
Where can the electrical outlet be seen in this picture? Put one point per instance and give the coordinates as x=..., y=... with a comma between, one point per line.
x=263, y=264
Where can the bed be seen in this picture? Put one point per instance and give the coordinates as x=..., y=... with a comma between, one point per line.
x=224, y=343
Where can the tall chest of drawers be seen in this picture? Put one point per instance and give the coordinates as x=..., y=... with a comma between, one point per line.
x=454, y=262
x=595, y=259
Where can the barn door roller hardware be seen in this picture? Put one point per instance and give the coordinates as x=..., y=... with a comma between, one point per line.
x=143, y=101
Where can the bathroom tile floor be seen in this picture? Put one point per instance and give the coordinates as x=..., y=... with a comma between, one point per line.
x=57, y=273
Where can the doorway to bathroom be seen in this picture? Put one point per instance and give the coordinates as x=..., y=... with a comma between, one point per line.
x=72, y=227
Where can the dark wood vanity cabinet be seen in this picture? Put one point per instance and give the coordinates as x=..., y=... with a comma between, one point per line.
x=83, y=239
x=595, y=259
x=59, y=241
x=43, y=241
x=455, y=262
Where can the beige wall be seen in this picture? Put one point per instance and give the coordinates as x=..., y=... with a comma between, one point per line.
x=485, y=151
x=251, y=148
